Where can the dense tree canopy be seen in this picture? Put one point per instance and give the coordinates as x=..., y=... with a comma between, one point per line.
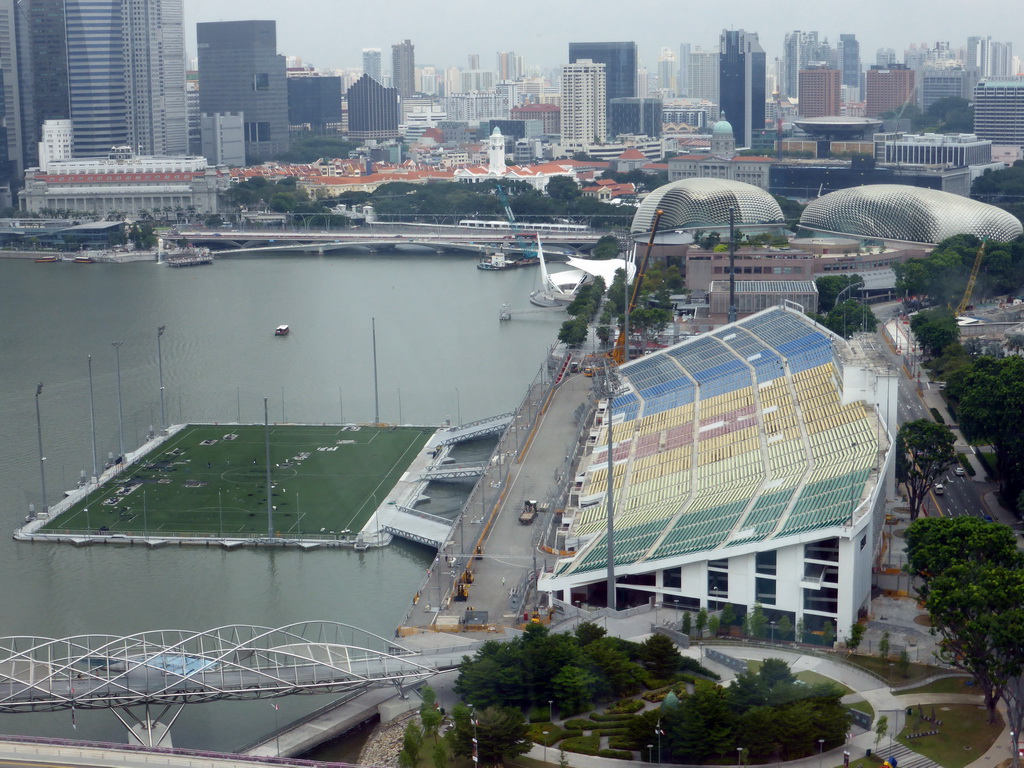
x=991, y=400
x=935, y=329
x=830, y=286
x=970, y=577
x=943, y=274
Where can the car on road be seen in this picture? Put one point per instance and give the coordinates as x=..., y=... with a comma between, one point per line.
x=939, y=489
x=958, y=471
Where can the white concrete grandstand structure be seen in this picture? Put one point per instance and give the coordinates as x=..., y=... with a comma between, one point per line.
x=705, y=203
x=906, y=214
x=750, y=465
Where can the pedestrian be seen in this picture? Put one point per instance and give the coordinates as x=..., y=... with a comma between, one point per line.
x=503, y=581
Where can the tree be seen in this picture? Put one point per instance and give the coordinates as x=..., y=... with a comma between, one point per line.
x=850, y=316
x=883, y=645
x=713, y=625
x=991, y=394
x=857, y=631
x=881, y=729
x=587, y=632
x=500, y=733
x=758, y=622
x=562, y=188
x=573, y=333
x=687, y=623
x=924, y=452
x=828, y=634
x=935, y=329
x=785, y=628
x=728, y=615
x=702, y=621
x=660, y=656
x=573, y=689
x=430, y=714
x=412, y=743
x=439, y=755
x=830, y=286
x=903, y=663
x=606, y=248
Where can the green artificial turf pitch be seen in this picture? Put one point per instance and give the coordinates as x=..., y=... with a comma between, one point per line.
x=329, y=478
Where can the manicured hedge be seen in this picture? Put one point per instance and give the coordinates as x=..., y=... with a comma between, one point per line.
x=614, y=717
x=622, y=709
x=580, y=723
x=539, y=715
x=619, y=754
x=584, y=745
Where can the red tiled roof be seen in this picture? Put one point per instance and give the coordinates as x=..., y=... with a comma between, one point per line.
x=632, y=154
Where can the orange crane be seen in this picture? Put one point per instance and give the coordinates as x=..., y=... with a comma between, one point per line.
x=618, y=353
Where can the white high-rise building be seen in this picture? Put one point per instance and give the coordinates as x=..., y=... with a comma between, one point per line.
x=154, y=67
x=372, y=64
x=702, y=75
x=584, y=110
x=57, y=143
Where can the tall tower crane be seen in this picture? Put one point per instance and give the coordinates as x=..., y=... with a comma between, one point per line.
x=966, y=300
x=526, y=245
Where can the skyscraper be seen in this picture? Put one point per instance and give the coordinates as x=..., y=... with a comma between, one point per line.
x=702, y=77
x=684, y=69
x=373, y=110
x=403, y=68
x=510, y=65
x=372, y=64
x=154, y=50
x=820, y=92
x=620, y=63
x=742, y=83
x=887, y=88
x=848, y=55
x=668, y=71
x=798, y=52
x=241, y=71
x=584, y=104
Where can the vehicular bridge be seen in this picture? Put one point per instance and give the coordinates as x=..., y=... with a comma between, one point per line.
x=171, y=668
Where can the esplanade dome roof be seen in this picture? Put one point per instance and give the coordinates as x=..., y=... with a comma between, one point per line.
x=695, y=203
x=909, y=214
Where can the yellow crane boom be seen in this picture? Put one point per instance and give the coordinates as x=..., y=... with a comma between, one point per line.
x=618, y=353
x=966, y=300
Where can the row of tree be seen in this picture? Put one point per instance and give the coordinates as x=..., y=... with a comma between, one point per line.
x=970, y=577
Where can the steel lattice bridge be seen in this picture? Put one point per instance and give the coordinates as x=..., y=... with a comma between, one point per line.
x=171, y=667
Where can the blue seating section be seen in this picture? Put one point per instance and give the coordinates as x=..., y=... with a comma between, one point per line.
x=767, y=364
x=660, y=382
x=628, y=405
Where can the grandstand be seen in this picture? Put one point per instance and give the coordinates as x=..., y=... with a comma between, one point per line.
x=746, y=468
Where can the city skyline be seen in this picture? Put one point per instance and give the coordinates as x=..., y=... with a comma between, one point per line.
x=545, y=30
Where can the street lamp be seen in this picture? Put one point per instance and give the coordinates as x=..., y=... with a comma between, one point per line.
x=160, y=368
x=650, y=753
x=551, y=717
x=821, y=748
x=739, y=756
x=772, y=625
x=120, y=410
x=546, y=745
x=42, y=459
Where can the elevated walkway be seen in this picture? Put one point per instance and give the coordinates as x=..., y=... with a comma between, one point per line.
x=414, y=525
x=494, y=425
x=442, y=472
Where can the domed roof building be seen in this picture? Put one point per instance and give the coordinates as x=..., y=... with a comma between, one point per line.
x=906, y=214
x=722, y=126
x=704, y=204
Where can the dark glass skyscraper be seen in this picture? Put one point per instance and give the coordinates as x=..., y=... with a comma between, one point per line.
x=373, y=110
x=637, y=116
x=314, y=102
x=849, y=60
x=741, y=78
x=241, y=71
x=619, y=61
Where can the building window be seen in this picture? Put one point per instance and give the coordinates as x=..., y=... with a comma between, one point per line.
x=825, y=600
x=827, y=550
x=261, y=81
x=766, y=562
x=672, y=578
x=718, y=584
x=765, y=591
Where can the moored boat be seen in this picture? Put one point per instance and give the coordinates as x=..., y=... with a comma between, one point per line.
x=84, y=260
x=48, y=259
x=282, y=330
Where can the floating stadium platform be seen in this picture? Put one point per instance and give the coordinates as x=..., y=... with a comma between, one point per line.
x=747, y=467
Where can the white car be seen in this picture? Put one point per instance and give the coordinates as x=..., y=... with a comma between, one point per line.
x=958, y=471
x=939, y=489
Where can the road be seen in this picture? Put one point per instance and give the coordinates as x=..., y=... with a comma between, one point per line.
x=917, y=396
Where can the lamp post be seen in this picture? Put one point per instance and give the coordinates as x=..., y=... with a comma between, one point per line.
x=772, y=625
x=739, y=756
x=160, y=368
x=120, y=410
x=821, y=749
x=546, y=745
x=42, y=458
x=551, y=716
x=650, y=753
x=458, y=406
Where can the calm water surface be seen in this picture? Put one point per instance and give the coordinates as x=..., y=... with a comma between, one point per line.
x=441, y=354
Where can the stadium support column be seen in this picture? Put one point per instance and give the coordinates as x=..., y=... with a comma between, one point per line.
x=610, y=393
x=270, y=495
x=732, y=265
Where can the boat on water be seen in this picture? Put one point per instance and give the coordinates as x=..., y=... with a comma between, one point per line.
x=84, y=260
x=282, y=330
x=48, y=259
x=191, y=257
x=497, y=261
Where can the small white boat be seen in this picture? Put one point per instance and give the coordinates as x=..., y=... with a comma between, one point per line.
x=282, y=330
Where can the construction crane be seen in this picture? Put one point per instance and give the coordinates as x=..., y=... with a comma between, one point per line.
x=526, y=245
x=965, y=302
x=618, y=353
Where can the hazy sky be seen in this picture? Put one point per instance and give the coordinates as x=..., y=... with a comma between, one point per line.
x=332, y=33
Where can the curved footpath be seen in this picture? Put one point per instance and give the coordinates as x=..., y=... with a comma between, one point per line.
x=866, y=687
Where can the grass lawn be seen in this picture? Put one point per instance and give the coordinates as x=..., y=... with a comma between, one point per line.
x=863, y=706
x=964, y=737
x=950, y=685
x=807, y=676
x=880, y=666
x=211, y=480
